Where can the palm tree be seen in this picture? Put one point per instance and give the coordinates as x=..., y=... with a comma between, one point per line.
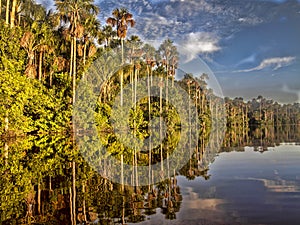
x=169, y=56
x=46, y=45
x=73, y=12
x=106, y=36
x=150, y=60
x=92, y=30
x=121, y=19
x=27, y=12
x=173, y=62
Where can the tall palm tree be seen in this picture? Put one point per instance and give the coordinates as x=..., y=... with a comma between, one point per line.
x=73, y=12
x=27, y=12
x=169, y=56
x=149, y=57
x=46, y=45
x=91, y=31
x=121, y=19
x=106, y=36
x=173, y=62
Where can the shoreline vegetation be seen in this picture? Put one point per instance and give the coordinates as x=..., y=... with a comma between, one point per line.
x=44, y=55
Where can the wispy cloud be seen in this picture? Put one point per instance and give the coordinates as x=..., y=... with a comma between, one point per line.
x=249, y=59
x=198, y=43
x=275, y=63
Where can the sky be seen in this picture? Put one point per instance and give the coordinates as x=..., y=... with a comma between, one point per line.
x=251, y=46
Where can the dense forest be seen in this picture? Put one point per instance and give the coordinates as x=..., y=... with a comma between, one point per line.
x=44, y=56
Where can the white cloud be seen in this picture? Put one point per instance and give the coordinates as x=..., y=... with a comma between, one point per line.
x=196, y=43
x=275, y=63
x=249, y=59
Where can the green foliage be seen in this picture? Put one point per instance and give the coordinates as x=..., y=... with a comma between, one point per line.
x=12, y=57
x=29, y=106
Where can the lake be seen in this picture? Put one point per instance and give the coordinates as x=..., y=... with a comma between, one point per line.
x=44, y=180
x=245, y=187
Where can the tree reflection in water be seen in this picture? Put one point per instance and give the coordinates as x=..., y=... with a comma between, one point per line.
x=38, y=174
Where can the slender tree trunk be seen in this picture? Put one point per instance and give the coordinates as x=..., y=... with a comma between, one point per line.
x=71, y=59
x=19, y=14
x=40, y=65
x=173, y=75
x=7, y=11
x=74, y=69
x=6, y=122
x=123, y=210
x=132, y=81
x=13, y=13
x=74, y=190
x=83, y=202
x=121, y=77
x=122, y=172
x=0, y=8
x=84, y=56
x=6, y=153
x=135, y=166
x=150, y=161
x=71, y=206
x=151, y=79
x=160, y=124
x=84, y=53
x=167, y=82
x=39, y=198
x=51, y=79
x=50, y=183
x=149, y=96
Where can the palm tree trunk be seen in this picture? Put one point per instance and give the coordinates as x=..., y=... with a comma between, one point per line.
x=19, y=13
x=149, y=95
x=74, y=190
x=84, y=56
x=71, y=206
x=132, y=81
x=84, y=53
x=122, y=172
x=50, y=183
x=150, y=161
x=5, y=153
x=160, y=123
x=83, y=202
x=71, y=59
x=0, y=8
x=13, y=13
x=7, y=11
x=40, y=65
x=6, y=122
x=51, y=78
x=173, y=75
x=39, y=198
x=74, y=69
x=121, y=77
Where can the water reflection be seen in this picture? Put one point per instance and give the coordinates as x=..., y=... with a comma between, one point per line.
x=44, y=180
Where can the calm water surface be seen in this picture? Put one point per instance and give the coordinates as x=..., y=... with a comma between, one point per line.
x=245, y=187
x=44, y=181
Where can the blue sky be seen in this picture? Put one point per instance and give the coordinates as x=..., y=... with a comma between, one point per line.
x=252, y=46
